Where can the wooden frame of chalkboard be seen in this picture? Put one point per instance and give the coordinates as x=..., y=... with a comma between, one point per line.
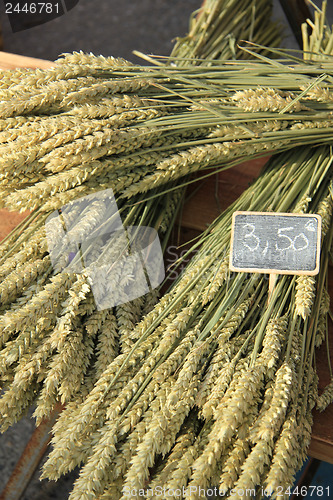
x=275, y=243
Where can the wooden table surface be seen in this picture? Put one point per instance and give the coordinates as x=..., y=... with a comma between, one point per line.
x=198, y=212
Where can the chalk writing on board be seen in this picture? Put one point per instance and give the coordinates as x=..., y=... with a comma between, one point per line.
x=275, y=242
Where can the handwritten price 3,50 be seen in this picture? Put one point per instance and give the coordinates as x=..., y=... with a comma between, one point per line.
x=283, y=241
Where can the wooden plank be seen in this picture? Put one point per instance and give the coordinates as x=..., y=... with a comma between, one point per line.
x=207, y=199
x=30, y=458
x=321, y=445
x=9, y=220
x=12, y=61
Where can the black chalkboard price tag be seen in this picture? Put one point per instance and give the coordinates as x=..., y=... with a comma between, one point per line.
x=275, y=243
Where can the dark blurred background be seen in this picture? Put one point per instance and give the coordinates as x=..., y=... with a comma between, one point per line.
x=107, y=27
x=110, y=27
